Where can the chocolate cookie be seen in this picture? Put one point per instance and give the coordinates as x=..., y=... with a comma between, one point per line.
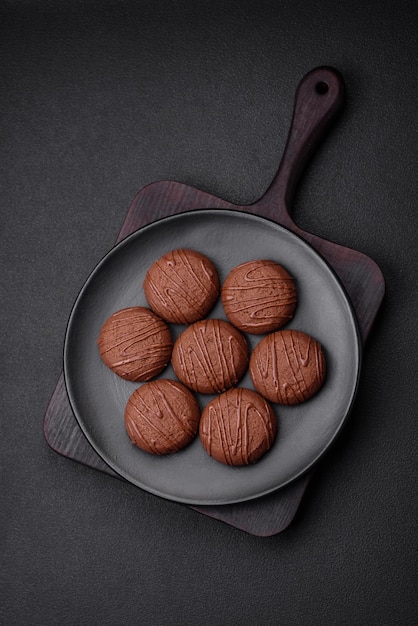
x=288, y=367
x=182, y=286
x=135, y=343
x=238, y=427
x=210, y=356
x=259, y=296
x=162, y=417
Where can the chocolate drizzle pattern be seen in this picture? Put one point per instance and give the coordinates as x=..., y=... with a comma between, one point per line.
x=238, y=427
x=182, y=286
x=162, y=417
x=259, y=296
x=135, y=343
x=288, y=367
x=210, y=356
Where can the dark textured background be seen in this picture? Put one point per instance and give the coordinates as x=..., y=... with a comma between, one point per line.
x=99, y=98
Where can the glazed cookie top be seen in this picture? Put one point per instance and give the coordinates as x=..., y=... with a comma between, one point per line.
x=162, y=417
x=288, y=367
x=182, y=286
x=135, y=343
x=210, y=356
x=259, y=296
x=238, y=427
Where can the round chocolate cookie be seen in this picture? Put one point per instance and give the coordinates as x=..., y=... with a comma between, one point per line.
x=162, y=417
x=182, y=286
x=135, y=343
x=259, y=296
x=288, y=367
x=238, y=427
x=210, y=356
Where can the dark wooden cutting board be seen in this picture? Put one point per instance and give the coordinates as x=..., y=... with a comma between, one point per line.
x=319, y=98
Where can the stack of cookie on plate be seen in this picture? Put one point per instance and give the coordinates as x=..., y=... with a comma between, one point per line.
x=210, y=356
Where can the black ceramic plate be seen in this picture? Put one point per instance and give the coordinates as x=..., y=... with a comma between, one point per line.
x=98, y=397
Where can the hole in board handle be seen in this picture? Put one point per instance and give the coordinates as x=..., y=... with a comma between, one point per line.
x=321, y=87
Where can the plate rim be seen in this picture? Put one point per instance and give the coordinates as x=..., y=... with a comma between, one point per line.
x=352, y=316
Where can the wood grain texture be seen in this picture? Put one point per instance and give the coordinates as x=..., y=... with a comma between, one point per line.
x=318, y=100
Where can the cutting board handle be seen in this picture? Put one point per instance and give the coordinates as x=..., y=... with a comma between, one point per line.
x=318, y=99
